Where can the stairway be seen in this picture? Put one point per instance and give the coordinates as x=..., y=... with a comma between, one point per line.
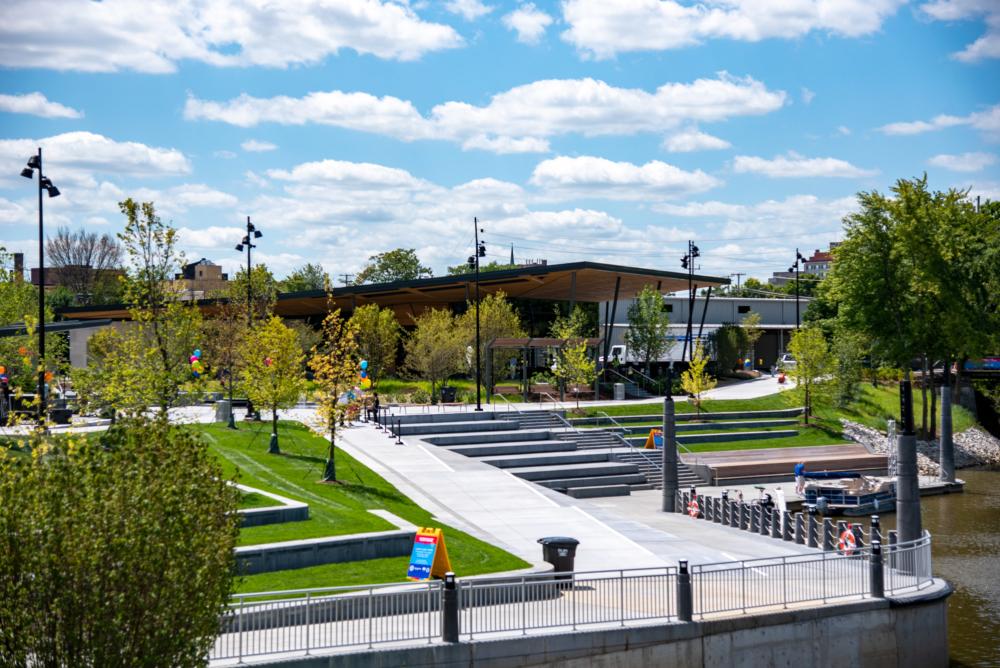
x=648, y=461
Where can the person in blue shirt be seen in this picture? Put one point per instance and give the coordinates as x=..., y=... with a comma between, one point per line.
x=800, y=478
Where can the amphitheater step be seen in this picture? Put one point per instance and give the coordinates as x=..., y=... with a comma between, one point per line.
x=598, y=491
x=420, y=428
x=621, y=479
x=514, y=448
x=480, y=437
x=587, y=470
x=557, y=459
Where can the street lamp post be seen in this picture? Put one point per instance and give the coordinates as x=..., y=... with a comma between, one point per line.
x=44, y=183
x=252, y=233
x=796, y=268
x=687, y=262
x=480, y=251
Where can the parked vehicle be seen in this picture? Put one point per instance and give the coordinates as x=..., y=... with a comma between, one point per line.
x=787, y=361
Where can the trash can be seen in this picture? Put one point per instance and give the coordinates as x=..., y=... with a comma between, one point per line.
x=560, y=551
x=448, y=394
x=619, y=391
x=222, y=410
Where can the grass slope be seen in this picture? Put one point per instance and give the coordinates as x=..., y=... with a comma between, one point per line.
x=334, y=509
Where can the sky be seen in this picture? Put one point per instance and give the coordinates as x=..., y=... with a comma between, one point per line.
x=574, y=130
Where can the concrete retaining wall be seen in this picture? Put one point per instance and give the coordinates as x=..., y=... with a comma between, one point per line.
x=253, y=559
x=284, y=510
x=908, y=631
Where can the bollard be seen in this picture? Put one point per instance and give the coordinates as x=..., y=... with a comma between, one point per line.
x=859, y=536
x=680, y=502
x=724, y=517
x=775, y=523
x=734, y=518
x=800, y=529
x=765, y=513
x=685, y=601
x=449, y=608
x=827, y=534
x=876, y=573
x=744, y=516
x=754, y=519
x=706, y=507
x=685, y=500
x=717, y=511
x=876, y=530
x=892, y=548
x=399, y=431
x=811, y=528
x=786, y=523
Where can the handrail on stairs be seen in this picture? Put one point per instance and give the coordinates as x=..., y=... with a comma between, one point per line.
x=628, y=430
x=510, y=406
x=632, y=381
x=625, y=443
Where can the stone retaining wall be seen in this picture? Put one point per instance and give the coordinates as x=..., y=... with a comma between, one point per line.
x=973, y=447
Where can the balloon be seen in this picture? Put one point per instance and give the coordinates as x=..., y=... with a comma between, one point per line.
x=193, y=359
x=364, y=364
x=195, y=374
x=22, y=350
x=366, y=383
x=48, y=376
x=267, y=361
x=3, y=369
x=197, y=352
x=364, y=374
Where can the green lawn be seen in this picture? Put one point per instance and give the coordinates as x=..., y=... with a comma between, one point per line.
x=252, y=500
x=334, y=509
x=372, y=571
x=769, y=402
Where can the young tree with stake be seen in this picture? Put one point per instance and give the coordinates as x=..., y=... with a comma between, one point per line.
x=271, y=361
x=334, y=363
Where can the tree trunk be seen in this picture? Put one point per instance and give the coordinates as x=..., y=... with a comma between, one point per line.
x=272, y=447
x=330, y=475
x=933, y=406
x=807, y=403
x=923, y=399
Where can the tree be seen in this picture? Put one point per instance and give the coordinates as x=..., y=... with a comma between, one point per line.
x=117, y=553
x=696, y=380
x=497, y=318
x=812, y=364
x=271, y=362
x=378, y=334
x=574, y=368
x=224, y=335
x=262, y=293
x=729, y=341
x=434, y=350
x=307, y=277
x=648, y=326
x=401, y=264
x=19, y=304
x=334, y=363
x=460, y=269
x=752, y=333
x=848, y=349
x=307, y=335
x=87, y=264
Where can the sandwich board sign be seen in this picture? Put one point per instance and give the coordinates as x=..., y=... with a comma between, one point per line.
x=429, y=557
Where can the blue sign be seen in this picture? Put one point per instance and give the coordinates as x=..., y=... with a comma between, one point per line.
x=422, y=556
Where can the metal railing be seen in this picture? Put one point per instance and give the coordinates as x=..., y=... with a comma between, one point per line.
x=510, y=406
x=303, y=621
x=631, y=448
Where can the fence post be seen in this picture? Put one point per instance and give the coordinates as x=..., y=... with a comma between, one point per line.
x=786, y=525
x=449, y=609
x=811, y=528
x=875, y=570
x=685, y=602
x=800, y=529
x=827, y=534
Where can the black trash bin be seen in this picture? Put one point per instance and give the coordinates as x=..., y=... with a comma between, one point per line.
x=448, y=395
x=560, y=551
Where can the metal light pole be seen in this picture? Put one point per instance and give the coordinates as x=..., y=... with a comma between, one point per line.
x=795, y=268
x=252, y=233
x=480, y=251
x=35, y=162
x=687, y=262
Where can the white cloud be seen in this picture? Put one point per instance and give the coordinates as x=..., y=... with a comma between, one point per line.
x=522, y=114
x=155, y=35
x=597, y=177
x=843, y=130
x=694, y=140
x=986, y=121
x=986, y=46
x=77, y=156
x=807, y=95
x=346, y=176
x=603, y=29
x=504, y=145
x=529, y=22
x=470, y=10
x=797, y=166
x=965, y=162
x=255, y=146
x=199, y=195
x=36, y=104
x=225, y=155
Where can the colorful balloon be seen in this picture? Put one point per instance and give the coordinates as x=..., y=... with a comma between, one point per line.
x=366, y=383
x=267, y=361
x=364, y=374
x=193, y=359
x=364, y=364
x=197, y=352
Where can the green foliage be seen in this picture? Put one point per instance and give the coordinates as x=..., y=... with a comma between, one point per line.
x=401, y=264
x=334, y=362
x=729, y=341
x=435, y=349
x=378, y=334
x=812, y=365
x=575, y=324
x=19, y=303
x=696, y=380
x=272, y=367
x=114, y=554
x=575, y=369
x=648, y=326
x=460, y=269
x=222, y=341
x=497, y=318
x=307, y=277
x=260, y=289
x=848, y=349
x=752, y=333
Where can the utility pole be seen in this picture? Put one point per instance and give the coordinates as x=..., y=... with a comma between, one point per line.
x=480, y=251
x=737, y=275
x=346, y=278
x=795, y=268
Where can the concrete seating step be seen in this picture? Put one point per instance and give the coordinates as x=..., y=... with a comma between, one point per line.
x=471, y=416
x=598, y=491
x=417, y=428
x=477, y=437
x=514, y=448
x=622, y=479
x=544, y=459
x=587, y=470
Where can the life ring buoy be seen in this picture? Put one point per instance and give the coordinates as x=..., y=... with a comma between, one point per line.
x=693, y=509
x=848, y=544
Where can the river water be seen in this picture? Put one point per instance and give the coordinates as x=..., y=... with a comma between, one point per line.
x=965, y=530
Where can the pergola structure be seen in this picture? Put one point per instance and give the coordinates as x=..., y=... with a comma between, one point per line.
x=524, y=346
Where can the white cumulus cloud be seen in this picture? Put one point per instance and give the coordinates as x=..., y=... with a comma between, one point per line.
x=256, y=146
x=603, y=29
x=694, y=140
x=502, y=145
x=528, y=22
x=470, y=10
x=965, y=162
x=36, y=104
x=155, y=35
x=797, y=166
x=984, y=47
x=986, y=121
x=597, y=177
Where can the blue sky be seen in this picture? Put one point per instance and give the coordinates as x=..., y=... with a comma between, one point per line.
x=585, y=129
